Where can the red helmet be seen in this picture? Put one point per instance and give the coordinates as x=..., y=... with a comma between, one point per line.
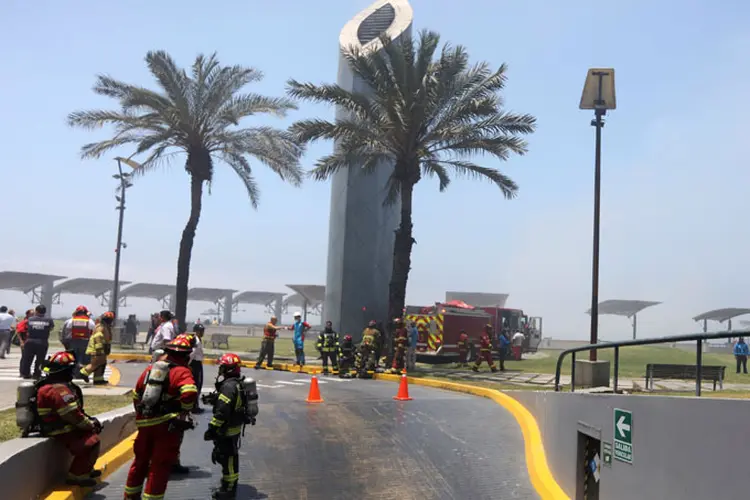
x=180, y=344
x=229, y=364
x=108, y=316
x=60, y=362
x=81, y=310
x=190, y=338
x=347, y=338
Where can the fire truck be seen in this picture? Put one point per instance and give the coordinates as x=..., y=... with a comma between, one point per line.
x=439, y=326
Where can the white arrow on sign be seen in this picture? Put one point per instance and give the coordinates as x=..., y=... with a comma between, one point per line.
x=622, y=427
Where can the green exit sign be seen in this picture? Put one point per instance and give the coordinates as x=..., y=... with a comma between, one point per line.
x=623, y=422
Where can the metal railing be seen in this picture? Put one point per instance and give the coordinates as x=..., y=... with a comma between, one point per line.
x=697, y=337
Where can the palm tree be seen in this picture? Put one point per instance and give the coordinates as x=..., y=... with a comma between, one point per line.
x=426, y=115
x=195, y=115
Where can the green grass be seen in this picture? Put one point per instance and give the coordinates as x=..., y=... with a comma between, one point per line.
x=94, y=406
x=633, y=361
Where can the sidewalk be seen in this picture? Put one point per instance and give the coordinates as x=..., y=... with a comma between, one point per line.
x=546, y=380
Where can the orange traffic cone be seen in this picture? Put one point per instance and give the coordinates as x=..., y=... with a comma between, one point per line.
x=314, y=395
x=403, y=390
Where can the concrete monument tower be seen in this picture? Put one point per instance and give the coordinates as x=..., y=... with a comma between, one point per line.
x=361, y=233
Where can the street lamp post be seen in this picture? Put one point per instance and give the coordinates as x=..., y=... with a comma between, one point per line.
x=599, y=95
x=124, y=178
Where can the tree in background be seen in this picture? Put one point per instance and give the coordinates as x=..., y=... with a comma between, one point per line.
x=195, y=114
x=428, y=114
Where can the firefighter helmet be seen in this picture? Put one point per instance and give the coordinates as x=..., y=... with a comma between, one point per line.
x=298, y=315
x=229, y=364
x=372, y=323
x=81, y=310
x=108, y=317
x=60, y=362
x=180, y=344
x=189, y=337
x=347, y=338
x=199, y=328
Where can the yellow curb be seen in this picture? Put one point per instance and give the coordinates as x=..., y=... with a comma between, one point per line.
x=114, y=377
x=536, y=460
x=108, y=463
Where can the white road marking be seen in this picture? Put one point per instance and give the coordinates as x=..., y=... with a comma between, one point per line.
x=288, y=383
x=307, y=380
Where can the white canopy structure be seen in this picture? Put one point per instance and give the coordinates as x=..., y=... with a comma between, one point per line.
x=628, y=308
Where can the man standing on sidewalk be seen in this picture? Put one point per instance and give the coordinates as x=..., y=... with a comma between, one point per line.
x=6, y=325
x=37, y=342
x=411, y=352
x=741, y=352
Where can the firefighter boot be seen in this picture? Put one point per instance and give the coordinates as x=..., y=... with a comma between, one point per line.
x=226, y=492
x=83, y=482
x=475, y=369
x=493, y=369
x=178, y=468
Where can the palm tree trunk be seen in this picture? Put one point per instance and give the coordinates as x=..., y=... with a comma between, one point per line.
x=401, y=257
x=186, y=249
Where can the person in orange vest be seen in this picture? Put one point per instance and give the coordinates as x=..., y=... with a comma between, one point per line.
x=76, y=333
x=267, y=347
x=98, y=350
x=463, y=349
x=485, y=350
x=163, y=397
x=60, y=408
x=400, y=343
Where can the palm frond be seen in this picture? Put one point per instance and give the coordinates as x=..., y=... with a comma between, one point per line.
x=242, y=168
x=474, y=171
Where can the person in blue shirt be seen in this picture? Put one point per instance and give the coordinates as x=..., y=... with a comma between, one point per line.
x=299, y=327
x=741, y=352
x=503, y=344
x=411, y=351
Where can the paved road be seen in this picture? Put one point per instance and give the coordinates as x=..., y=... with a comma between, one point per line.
x=359, y=444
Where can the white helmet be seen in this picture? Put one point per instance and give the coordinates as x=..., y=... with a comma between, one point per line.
x=298, y=315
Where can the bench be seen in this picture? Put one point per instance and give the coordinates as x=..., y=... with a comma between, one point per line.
x=219, y=339
x=684, y=372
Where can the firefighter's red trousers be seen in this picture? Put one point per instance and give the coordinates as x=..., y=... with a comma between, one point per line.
x=84, y=446
x=156, y=450
x=484, y=354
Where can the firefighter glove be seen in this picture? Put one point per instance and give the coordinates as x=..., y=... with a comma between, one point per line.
x=97, y=425
x=210, y=434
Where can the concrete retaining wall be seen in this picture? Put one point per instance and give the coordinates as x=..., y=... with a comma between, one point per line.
x=31, y=467
x=686, y=448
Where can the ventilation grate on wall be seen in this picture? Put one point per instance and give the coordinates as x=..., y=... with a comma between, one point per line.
x=376, y=24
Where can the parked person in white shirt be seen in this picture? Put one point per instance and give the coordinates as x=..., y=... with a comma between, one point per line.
x=196, y=362
x=7, y=321
x=163, y=335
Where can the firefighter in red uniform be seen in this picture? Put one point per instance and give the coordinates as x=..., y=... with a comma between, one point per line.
x=400, y=343
x=485, y=350
x=60, y=407
x=163, y=397
x=463, y=349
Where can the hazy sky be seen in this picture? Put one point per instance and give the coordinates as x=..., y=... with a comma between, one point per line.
x=674, y=186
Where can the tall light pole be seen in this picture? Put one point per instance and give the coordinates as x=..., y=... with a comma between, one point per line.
x=599, y=95
x=124, y=178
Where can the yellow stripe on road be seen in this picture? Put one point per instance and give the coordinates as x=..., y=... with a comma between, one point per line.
x=536, y=460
